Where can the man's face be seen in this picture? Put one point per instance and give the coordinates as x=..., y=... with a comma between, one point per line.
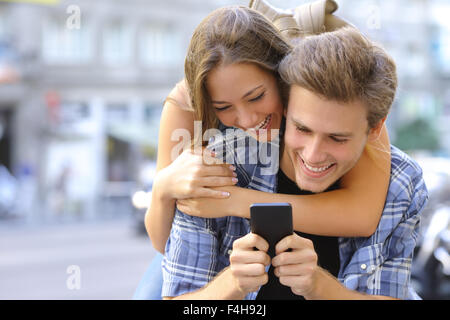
x=324, y=139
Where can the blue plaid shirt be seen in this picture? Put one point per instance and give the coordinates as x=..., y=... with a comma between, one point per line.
x=198, y=248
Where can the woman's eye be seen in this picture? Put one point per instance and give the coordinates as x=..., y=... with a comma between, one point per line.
x=222, y=108
x=301, y=129
x=258, y=97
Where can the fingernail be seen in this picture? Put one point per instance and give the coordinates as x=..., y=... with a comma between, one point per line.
x=226, y=194
x=234, y=174
x=233, y=168
x=234, y=180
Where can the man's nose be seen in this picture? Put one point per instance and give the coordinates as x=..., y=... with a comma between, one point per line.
x=314, y=152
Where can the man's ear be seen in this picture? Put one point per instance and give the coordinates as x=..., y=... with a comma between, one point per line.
x=374, y=133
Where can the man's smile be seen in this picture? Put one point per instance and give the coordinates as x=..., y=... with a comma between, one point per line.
x=315, y=171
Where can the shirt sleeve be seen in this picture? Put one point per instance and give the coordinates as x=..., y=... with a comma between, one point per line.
x=190, y=259
x=381, y=264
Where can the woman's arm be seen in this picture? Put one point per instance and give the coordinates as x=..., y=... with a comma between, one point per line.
x=159, y=216
x=354, y=210
x=180, y=174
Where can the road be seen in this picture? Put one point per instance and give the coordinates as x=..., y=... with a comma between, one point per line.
x=83, y=260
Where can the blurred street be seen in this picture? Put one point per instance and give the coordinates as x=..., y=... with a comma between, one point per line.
x=82, y=88
x=34, y=261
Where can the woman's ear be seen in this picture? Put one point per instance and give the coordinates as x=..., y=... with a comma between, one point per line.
x=374, y=133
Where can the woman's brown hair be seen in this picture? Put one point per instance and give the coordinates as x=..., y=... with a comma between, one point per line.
x=226, y=36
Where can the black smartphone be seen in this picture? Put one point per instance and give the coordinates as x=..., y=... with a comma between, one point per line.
x=272, y=221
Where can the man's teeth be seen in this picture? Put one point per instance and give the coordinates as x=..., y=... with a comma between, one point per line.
x=317, y=169
x=263, y=123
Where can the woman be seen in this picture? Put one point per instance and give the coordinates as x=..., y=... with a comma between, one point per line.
x=231, y=78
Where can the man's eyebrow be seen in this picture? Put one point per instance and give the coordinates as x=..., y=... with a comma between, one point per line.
x=334, y=134
x=244, y=96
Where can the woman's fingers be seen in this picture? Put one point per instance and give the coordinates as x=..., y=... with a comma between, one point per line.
x=225, y=170
x=211, y=193
x=218, y=181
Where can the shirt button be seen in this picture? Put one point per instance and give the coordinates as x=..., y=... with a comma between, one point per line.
x=364, y=266
x=230, y=252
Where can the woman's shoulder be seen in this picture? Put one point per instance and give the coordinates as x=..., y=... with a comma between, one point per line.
x=179, y=96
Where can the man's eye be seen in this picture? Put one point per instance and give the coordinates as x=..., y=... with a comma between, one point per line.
x=339, y=140
x=258, y=97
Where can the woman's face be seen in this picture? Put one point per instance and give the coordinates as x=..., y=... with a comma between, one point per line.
x=245, y=96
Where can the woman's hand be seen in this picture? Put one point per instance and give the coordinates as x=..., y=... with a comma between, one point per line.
x=190, y=175
x=210, y=207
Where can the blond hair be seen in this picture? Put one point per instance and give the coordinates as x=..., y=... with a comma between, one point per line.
x=344, y=65
x=226, y=36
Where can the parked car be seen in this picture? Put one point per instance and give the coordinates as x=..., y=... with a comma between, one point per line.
x=141, y=198
x=141, y=201
x=431, y=263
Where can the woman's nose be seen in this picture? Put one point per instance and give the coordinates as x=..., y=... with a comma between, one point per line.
x=247, y=119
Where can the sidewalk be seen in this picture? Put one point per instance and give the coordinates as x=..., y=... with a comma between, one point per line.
x=89, y=260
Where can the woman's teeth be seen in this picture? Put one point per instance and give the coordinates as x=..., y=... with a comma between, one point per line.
x=264, y=123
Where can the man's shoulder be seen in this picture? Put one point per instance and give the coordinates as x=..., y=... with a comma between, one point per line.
x=406, y=183
x=403, y=164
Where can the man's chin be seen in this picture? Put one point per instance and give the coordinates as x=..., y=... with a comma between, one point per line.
x=313, y=187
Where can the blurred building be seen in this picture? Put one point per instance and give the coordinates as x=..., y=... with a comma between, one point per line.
x=417, y=34
x=82, y=85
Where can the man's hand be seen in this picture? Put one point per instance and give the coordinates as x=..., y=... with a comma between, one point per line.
x=296, y=268
x=247, y=265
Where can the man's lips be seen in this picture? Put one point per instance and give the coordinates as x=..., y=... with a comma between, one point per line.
x=316, y=171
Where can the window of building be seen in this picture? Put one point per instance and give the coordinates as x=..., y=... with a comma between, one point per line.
x=117, y=43
x=160, y=46
x=117, y=113
x=63, y=45
x=2, y=24
x=152, y=113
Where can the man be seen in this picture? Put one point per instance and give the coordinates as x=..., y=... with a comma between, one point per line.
x=342, y=87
